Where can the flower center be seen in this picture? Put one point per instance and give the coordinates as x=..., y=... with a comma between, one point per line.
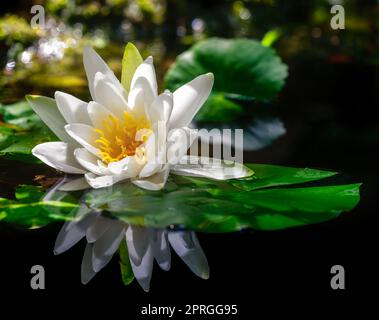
x=120, y=138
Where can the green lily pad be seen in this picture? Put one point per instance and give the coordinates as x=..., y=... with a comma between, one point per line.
x=29, y=210
x=273, y=176
x=273, y=198
x=20, y=131
x=244, y=70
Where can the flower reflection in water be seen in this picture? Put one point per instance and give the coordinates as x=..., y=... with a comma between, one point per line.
x=104, y=235
x=135, y=220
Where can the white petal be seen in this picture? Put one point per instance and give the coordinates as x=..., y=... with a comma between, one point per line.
x=58, y=155
x=146, y=71
x=108, y=95
x=47, y=110
x=154, y=165
x=128, y=167
x=189, y=98
x=149, y=169
x=155, y=182
x=161, y=108
x=155, y=152
x=85, y=135
x=97, y=182
x=188, y=248
x=75, y=185
x=87, y=272
x=210, y=168
x=106, y=246
x=141, y=97
x=136, y=102
x=180, y=140
x=93, y=63
x=89, y=161
x=98, y=113
x=72, y=109
x=156, y=143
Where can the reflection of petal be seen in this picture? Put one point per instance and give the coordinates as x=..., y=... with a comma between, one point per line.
x=262, y=133
x=210, y=168
x=75, y=185
x=54, y=194
x=137, y=239
x=97, y=229
x=140, y=254
x=143, y=271
x=187, y=247
x=87, y=272
x=106, y=245
x=161, y=249
x=72, y=232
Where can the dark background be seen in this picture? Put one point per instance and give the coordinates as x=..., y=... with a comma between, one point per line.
x=330, y=109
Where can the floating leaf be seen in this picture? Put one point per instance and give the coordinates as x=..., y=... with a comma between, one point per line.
x=273, y=176
x=243, y=69
x=21, y=130
x=31, y=211
x=257, y=202
x=273, y=198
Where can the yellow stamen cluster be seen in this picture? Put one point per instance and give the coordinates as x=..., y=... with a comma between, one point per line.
x=119, y=138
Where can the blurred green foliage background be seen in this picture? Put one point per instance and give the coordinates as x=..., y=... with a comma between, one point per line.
x=43, y=60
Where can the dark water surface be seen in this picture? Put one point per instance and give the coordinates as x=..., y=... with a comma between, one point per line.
x=331, y=115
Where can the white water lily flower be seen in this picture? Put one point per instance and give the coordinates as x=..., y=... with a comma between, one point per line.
x=118, y=135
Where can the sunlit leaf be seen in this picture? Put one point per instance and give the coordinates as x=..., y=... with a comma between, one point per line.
x=21, y=130
x=31, y=211
x=130, y=61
